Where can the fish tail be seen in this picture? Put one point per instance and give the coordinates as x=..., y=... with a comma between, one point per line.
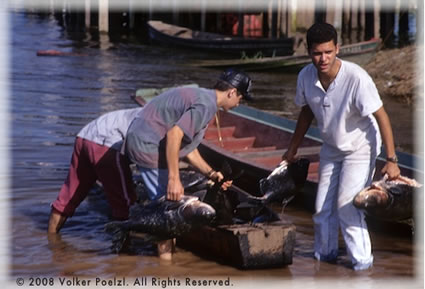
x=120, y=235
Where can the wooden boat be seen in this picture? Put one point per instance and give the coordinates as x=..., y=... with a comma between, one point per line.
x=177, y=36
x=255, y=141
x=360, y=53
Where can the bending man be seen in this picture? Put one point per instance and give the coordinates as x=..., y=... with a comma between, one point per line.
x=171, y=126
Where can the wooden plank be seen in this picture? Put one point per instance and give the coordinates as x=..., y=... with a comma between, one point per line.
x=212, y=133
x=236, y=143
x=302, y=151
x=255, y=149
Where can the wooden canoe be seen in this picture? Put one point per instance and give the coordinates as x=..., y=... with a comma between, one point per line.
x=177, y=36
x=360, y=53
x=255, y=141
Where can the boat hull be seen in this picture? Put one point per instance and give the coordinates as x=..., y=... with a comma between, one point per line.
x=176, y=36
x=360, y=53
x=254, y=141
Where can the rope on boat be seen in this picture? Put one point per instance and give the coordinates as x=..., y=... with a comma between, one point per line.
x=217, y=122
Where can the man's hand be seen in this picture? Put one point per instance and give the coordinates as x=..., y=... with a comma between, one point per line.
x=392, y=170
x=175, y=190
x=217, y=177
x=291, y=157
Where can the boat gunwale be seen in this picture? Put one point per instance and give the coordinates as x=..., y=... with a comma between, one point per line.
x=289, y=60
x=406, y=160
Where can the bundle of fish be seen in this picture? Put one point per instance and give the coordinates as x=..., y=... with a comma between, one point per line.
x=390, y=200
x=236, y=206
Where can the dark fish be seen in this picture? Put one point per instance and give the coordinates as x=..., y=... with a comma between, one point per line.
x=283, y=182
x=224, y=202
x=390, y=200
x=162, y=219
x=238, y=206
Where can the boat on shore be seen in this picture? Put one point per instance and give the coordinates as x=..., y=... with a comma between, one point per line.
x=360, y=53
x=177, y=36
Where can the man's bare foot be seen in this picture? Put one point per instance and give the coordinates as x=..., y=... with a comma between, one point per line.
x=166, y=249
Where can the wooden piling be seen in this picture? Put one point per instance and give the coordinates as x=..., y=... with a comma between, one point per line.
x=87, y=13
x=286, y=19
x=376, y=18
x=203, y=15
x=240, y=18
x=175, y=12
x=274, y=19
x=334, y=15
x=361, y=20
x=305, y=16
x=354, y=9
x=346, y=18
x=131, y=14
x=103, y=15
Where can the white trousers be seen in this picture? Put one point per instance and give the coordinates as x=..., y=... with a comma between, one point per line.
x=340, y=179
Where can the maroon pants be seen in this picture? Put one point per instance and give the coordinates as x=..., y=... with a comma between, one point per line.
x=91, y=162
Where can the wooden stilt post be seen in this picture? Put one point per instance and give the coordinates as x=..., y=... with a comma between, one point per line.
x=274, y=18
x=292, y=19
x=175, y=12
x=377, y=18
x=131, y=17
x=240, y=19
x=346, y=28
x=334, y=15
x=203, y=15
x=87, y=12
x=354, y=14
x=362, y=19
x=52, y=7
x=103, y=15
x=151, y=9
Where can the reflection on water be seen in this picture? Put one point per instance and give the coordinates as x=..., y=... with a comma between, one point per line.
x=54, y=97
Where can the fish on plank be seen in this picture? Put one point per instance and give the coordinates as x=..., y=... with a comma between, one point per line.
x=390, y=200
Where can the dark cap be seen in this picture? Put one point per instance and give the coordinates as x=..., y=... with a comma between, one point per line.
x=239, y=80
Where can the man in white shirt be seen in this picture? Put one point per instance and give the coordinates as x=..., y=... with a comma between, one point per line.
x=350, y=116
